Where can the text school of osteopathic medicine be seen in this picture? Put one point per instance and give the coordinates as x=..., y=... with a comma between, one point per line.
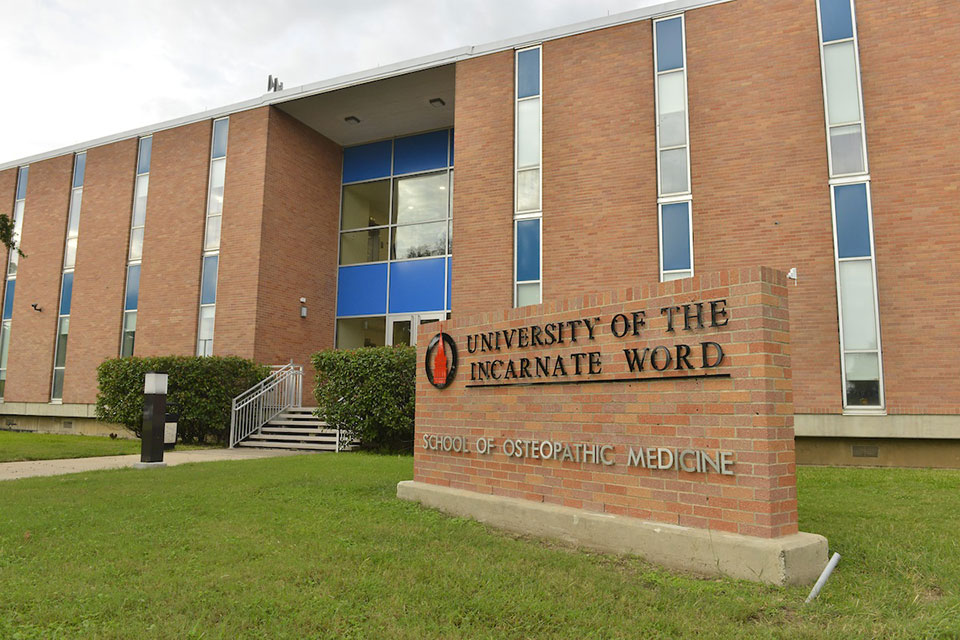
x=673, y=252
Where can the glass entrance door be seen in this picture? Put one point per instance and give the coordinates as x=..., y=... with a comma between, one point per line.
x=404, y=329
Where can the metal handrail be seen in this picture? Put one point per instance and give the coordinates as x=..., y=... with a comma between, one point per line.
x=264, y=401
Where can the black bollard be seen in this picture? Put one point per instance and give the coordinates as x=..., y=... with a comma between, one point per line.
x=154, y=417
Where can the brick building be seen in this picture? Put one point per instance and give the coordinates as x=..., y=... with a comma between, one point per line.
x=691, y=137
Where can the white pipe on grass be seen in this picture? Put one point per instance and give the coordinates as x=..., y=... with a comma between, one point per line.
x=822, y=580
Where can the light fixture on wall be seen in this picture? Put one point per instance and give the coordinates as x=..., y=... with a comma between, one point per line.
x=303, y=307
x=36, y=307
x=436, y=103
x=352, y=120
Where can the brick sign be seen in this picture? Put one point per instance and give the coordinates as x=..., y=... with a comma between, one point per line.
x=670, y=402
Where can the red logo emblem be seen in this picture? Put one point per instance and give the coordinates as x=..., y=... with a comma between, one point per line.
x=440, y=362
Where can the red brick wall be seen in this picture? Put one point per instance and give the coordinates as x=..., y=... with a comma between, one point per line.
x=599, y=162
x=100, y=275
x=169, y=303
x=298, y=254
x=759, y=168
x=240, y=254
x=749, y=414
x=483, y=184
x=911, y=98
x=32, y=334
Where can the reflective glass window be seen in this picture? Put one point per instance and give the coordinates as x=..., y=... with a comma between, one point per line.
x=354, y=333
x=66, y=293
x=836, y=20
x=364, y=246
x=669, y=44
x=143, y=156
x=8, y=299
x=528, y=250
x=419, y=240
x=675, y=241
x=366, y=205
x=528, y=73
x=220, y=131
x=22, y=176
x=79, y=167
x=853, y=223
x=208, y=289
x=129, y=334
x=863, y=379
x=133, y=287
x=421, y=198
x=218, y=169
x=62, y=330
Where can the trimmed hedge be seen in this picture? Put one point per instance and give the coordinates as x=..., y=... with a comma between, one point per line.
x=202, y=389
x=369, y=393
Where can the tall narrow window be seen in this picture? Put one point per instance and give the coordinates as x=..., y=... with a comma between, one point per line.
x=10, y=284
x=135, y=255
x=861, y=361
x=674, y=203
x=211, y=237
x=66, y=281
x=528, y=190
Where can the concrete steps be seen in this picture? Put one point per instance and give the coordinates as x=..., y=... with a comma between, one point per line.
x=296, y=428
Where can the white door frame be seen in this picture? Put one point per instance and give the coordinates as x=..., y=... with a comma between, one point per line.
x=414, y=319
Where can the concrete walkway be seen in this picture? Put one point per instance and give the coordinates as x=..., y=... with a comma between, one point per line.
x=32, y=468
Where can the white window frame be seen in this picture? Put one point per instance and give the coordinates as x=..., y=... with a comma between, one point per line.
x=847, y=408
x=63, y=274
x=526, y=214
x=200, y=351
x=665, y=273
x=685, y=196
x=826, y=105
x=139, y=261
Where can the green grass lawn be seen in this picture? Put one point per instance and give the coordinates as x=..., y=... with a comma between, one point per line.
x=319, y=546
x=16, y=446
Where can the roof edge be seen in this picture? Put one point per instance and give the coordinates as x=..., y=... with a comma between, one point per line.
x=450, y=56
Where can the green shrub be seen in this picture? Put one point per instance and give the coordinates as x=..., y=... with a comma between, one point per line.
x=202, y=389
x=369, y=393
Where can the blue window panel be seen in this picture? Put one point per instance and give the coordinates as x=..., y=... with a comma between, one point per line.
x=133, y=288
x=362, y=290
x=220, y=133
x=416, y=285
x=853, y=224
x=208, y=287
x=528, y=250
x=420, y=153
x=8, y=299
x=143, y=160
x=670, y=44
x=367, y=161
x=22, y=176
x=449, y=283
x=528, y=73
x=836, y=20
x=66, y=293
x=451, y=147
x=79, y=167
x=675, y=241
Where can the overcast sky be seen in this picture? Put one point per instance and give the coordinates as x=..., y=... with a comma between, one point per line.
x=75, y=70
